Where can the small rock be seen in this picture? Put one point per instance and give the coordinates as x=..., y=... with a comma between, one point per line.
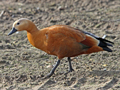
x=13, y=16
x=108, y=27
x=53, y=21
x=49, y=66
x=104, y=69
x=37, y=8
x=52, y=9
x=52, y=4
x=42, y=75
x=60, y=8
x=19, y=9
x=104, y=65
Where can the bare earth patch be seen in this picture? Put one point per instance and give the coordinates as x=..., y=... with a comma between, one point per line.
x=23, y=67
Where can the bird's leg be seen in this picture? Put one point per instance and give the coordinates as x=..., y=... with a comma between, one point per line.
x=70, y=66
x=52, y=71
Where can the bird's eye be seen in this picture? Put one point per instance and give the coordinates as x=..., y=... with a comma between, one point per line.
x=18, y=23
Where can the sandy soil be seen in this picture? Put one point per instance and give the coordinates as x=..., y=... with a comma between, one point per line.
x=23, y=67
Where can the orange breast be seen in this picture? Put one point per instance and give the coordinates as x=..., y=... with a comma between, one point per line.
x=38, y=40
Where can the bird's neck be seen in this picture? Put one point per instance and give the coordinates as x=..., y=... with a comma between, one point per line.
x=32, y=36
x=32, y=28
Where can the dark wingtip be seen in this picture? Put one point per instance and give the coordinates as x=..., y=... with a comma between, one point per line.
x=110, y=44
x=107, y=49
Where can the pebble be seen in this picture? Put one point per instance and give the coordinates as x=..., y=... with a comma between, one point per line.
x=60, y=8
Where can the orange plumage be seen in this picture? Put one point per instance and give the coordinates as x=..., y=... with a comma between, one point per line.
x=61, y=40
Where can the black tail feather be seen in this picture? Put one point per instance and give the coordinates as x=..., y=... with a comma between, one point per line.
x=105, y=40
x=107, y=49
x=109, y=44
x=104, y=43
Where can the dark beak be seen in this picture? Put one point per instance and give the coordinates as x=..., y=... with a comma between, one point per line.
x=12, y=31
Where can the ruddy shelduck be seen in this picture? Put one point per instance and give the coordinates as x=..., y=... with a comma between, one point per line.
x=61, y=40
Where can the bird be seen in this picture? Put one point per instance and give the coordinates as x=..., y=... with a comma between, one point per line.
x=61, y=41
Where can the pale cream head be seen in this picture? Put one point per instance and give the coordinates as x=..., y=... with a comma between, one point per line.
x=23, y=24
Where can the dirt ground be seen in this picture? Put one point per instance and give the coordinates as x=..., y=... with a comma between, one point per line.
x=23, y=67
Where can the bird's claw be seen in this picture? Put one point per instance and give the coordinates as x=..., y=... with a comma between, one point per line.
x=49, y=75
x=70, y=70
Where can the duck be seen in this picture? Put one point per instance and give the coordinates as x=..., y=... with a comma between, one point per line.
x=61, y=41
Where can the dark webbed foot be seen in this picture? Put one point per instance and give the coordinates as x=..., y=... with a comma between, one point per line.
x=52, y=71
x=48, y=75
x=70, y=70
